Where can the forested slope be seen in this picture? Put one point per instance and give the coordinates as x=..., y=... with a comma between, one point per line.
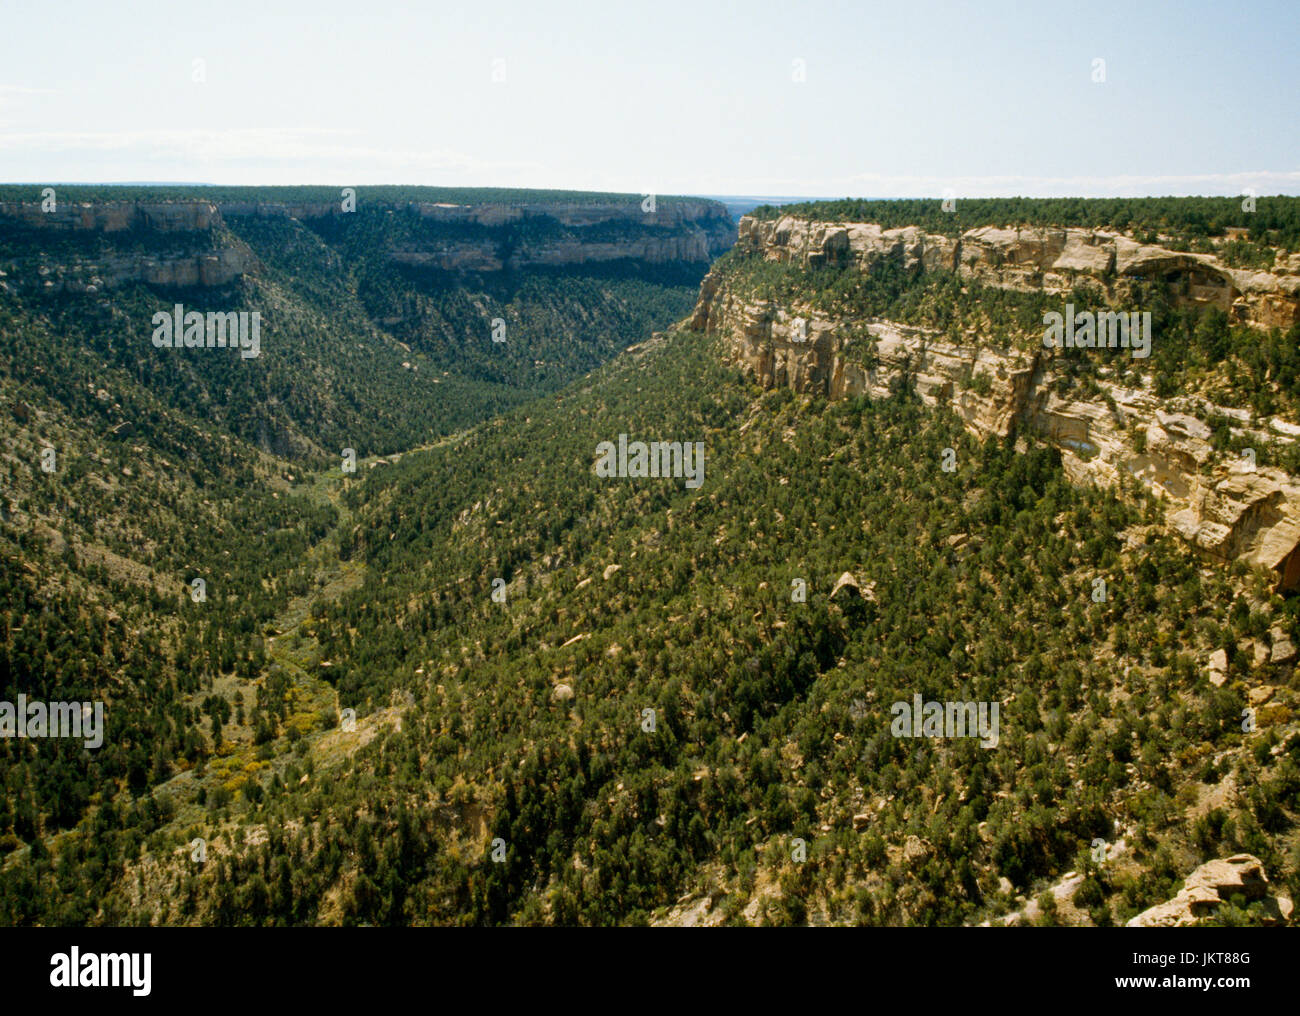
x=478, y=682
x=771, y=715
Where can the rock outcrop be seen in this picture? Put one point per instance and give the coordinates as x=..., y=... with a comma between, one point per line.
x=676, y=232
x=478, y=238
x=1212, y=884
x=216, y=268
x=669, y=214
x=688, y=246
x=1229, y=509
x=1037, y=258
x=114, y=217
x=168, y=244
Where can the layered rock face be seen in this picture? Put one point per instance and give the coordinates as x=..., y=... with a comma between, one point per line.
x=500, y=237
x=1230, y=509
x=163, y=216
x=674, y=213
x=690, y=232
x=216, y=268
x=116, y=260
x=508, y=236
x=1038, y=258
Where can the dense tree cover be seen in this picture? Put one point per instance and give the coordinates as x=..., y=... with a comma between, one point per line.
x=772, y=716
x=98, y=556
x=380, y=194
x=353, y=353
x=26, y=249
x=175, y=466
x=1275, y=220
x=559, y=321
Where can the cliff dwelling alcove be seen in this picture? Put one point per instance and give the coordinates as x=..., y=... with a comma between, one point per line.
x=1199, y=286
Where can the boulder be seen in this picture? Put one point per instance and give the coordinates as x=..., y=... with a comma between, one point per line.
x=1218, y=667
x=1283, y=648
x=849, y=586
x=1213, y=883
x=1279, y=909
x=1240, y=873
x=846, y=582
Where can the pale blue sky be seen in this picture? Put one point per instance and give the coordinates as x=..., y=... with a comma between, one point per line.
x=900, y=99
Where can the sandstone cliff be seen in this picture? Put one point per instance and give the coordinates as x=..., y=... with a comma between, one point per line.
x=163, y=216
x=671, y=213
x=1228, y=508
x=690, y=232
x=1038, y=258
x=500, y=237
x=677, y=231
x=169, y=244
x=91, y=275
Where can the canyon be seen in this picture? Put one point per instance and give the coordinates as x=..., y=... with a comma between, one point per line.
x=517, y=607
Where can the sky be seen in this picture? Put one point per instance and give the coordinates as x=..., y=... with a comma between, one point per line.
x=818, y=99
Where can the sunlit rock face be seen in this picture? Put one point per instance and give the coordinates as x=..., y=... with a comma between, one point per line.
x=1038, y=258
x=1230, y=510
x=150, y=242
